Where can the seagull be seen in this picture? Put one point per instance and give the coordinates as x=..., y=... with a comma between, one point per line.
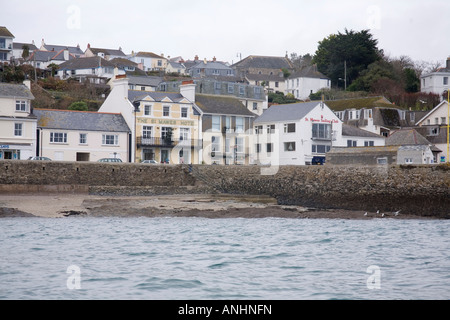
x=396, y=213
x=378, y=211
x=365, y=214
x=382, y=215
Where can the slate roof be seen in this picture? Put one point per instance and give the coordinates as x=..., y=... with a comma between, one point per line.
x=264, y=62
x=352, y=131
x=81, y=120
x=148, y=55
x=4, y=32
x=358, y=103
x=214, y=104
x=19, y=46
x=85, y=63
x=406, y=137
x=109, y=52
x=9, y=90
x=308, y=72
x=134, y=95
x=145, y=80
x=73, y=50
x=283, y=112
x=40, y=55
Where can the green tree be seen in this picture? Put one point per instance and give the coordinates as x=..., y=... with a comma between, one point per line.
x=79, y=106
x=26, y=51
x=356, y=50
x=54, y=67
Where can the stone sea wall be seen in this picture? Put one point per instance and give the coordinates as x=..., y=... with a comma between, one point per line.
x=421, y=190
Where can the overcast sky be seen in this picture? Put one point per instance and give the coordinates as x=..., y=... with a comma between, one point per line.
x=229, y=29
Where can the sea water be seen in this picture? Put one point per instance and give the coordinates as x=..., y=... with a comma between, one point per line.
x=200, y=258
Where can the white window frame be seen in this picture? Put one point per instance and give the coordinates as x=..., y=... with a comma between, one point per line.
x=18, y=129
x=184, y=110
x=83, y=138
x=164, y=111
x=107, y=138
x=58, y=137
x=215, y=126
x=21, y=105
x=148, y=110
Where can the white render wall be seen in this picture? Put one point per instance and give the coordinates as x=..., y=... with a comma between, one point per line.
x=68, y=151
x=434, y=82
x=301, y=88
x=302, y=138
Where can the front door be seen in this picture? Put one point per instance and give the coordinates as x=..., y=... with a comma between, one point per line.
x=165, y=156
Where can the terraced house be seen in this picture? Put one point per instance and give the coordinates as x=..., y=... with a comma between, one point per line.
x=82, y=136
x=164, y=125
x=17, y=122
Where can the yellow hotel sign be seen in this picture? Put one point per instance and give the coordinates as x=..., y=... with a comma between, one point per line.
x=167, y=122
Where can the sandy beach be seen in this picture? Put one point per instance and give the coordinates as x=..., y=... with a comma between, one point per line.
x=211, y=206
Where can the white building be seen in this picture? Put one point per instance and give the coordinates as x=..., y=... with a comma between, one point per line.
x=435, y=124
x=149, y=61
x=6, y=44
x=306, y=81
x=436, y=82
x=355, y=137
x=17, y=122
x=295, y=134
x=95, y=68
x=82, y=136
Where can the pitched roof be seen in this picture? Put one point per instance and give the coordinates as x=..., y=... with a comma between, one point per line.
x=10, y=90
x=4, y=32
x=81, y=120
x=148, y=55
x=308, y=72
x=283, y=112
x=85, y=63
x=123, y=62
x=144, y=80
x=264, y=62
x=109, y=52
x=406, y=137
x=134, y=95
x=352, y=131
x=19, y=46
x=73, y=50
x=215, y=104
x=358, y=103
x=41, y=55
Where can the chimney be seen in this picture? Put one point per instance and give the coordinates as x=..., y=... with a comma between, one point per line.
x=187, y=90
x=448, y=63
x=89, y=46
x=196, y=58
x=204, y=61
x=66, y=54
x=27, y=83
x=214, y=59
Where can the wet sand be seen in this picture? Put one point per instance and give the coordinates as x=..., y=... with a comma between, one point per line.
x=208, y=206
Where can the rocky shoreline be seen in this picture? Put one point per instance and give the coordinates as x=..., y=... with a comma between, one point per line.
x=206, y=206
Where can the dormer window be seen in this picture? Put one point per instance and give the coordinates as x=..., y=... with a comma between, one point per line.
x=21, y=105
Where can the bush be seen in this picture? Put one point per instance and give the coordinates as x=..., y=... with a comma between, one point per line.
x=79, y=106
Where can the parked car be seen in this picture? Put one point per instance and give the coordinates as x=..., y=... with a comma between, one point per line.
x=110, y=160
x=40, y=158
x=150, y=161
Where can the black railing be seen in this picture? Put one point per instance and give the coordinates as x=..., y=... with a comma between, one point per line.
x=167, y=143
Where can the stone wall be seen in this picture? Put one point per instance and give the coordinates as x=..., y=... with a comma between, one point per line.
x=422, y=190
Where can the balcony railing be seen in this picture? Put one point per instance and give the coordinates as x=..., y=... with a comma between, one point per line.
x=167, y=143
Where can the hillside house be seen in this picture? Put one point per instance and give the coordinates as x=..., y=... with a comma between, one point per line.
x=6, y=44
